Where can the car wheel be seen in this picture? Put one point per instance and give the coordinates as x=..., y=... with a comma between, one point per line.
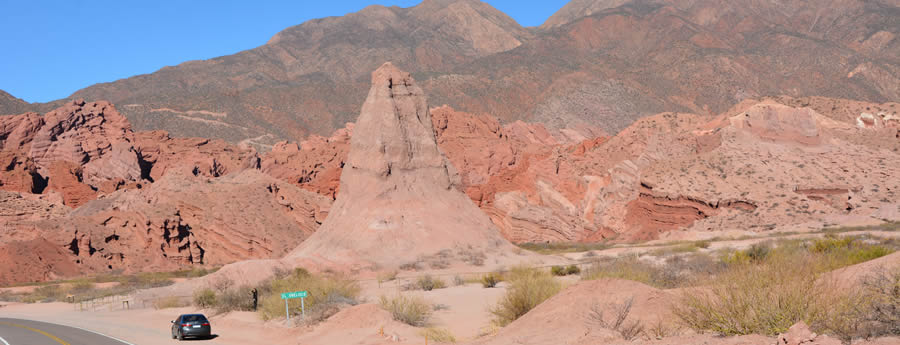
x=180, y=336
x=173, y=335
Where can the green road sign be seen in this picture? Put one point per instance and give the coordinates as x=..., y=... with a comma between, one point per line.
x=295, y=294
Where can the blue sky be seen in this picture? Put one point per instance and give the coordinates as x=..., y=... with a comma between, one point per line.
x=50, y=49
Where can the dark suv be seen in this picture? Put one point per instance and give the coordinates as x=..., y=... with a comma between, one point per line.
x=191, y=325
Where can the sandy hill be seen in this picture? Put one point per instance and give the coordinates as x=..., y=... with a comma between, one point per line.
x=397, y=202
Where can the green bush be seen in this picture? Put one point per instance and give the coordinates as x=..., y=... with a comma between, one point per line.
x=491, y=279
x=564, y=271
x=527, y=289
x=321, y=289
x=411, y=310
x=558, y=270
x=205, y=298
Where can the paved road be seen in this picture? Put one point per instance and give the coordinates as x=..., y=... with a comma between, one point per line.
x=27, y=332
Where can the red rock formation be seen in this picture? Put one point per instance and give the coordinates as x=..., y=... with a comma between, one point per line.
x=198, y=156
x=178, y=222
x=76, y=149
x=18, y=173
x=67, y=178
x=315, y=164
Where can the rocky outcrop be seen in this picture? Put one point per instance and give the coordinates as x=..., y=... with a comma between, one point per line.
x=161, y=154
x=397, y=200
x=315, y=164
x=776, y=122
x=82, y=133
x=180, y=221
x=650, y=215
x=77, y=149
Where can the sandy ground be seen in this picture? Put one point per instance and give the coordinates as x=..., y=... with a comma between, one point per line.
x=464, y=311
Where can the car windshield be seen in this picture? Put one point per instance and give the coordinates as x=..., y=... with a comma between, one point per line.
x=193, y=318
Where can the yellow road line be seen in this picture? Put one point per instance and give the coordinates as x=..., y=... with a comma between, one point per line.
x=48, y=335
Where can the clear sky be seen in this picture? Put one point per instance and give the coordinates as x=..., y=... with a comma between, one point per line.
x=50, y=49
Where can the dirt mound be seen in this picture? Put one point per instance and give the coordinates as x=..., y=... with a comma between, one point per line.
x=397, y=200
x=361, y=324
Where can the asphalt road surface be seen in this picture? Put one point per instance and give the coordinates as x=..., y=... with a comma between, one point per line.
x=27, y=332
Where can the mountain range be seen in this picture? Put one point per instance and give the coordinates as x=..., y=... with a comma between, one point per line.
x=595, y=64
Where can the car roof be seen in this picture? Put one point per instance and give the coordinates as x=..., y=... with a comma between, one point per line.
x=183, y=315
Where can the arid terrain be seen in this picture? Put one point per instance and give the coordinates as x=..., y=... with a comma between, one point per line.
x=631, y=171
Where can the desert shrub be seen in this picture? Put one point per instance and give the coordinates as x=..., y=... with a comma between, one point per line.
x=320, y=289
x=472, y=256
x=565, y=270
x=490, y=280
x=80, y=286
x=169, y=302
x=830, y=243
x=331, y=305
x=412, y=266
x=427, y=283
x=441, y=260
x=458, y=280
x=527, y=289
x=387, y=276
x=149, y=280
x=238, y=299
x=702, y=244
x=839, y=252
x=633, y=268
x=205, y=298
x=757, y=253
x=9, y=296
x=411, y=310
x=438, y=335
x=558, y=270
x=220, y=284
x=883, y=288
x=564, y=247
x=757, y=298
x=872, y=311
x=46, y=293
x=618, y=320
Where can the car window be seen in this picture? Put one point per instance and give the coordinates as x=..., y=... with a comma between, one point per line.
x=194, y=318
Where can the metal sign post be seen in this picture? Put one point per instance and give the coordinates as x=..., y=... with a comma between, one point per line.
x=291, y=295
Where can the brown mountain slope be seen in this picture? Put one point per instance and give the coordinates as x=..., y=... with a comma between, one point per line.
x=644, y=57
x=595, y=63
x=309, y=78
x=576, y=9
x=9, y=104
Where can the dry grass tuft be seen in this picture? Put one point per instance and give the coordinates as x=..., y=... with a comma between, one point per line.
x=438, y=335
x=411, y=310
x=528, y=288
